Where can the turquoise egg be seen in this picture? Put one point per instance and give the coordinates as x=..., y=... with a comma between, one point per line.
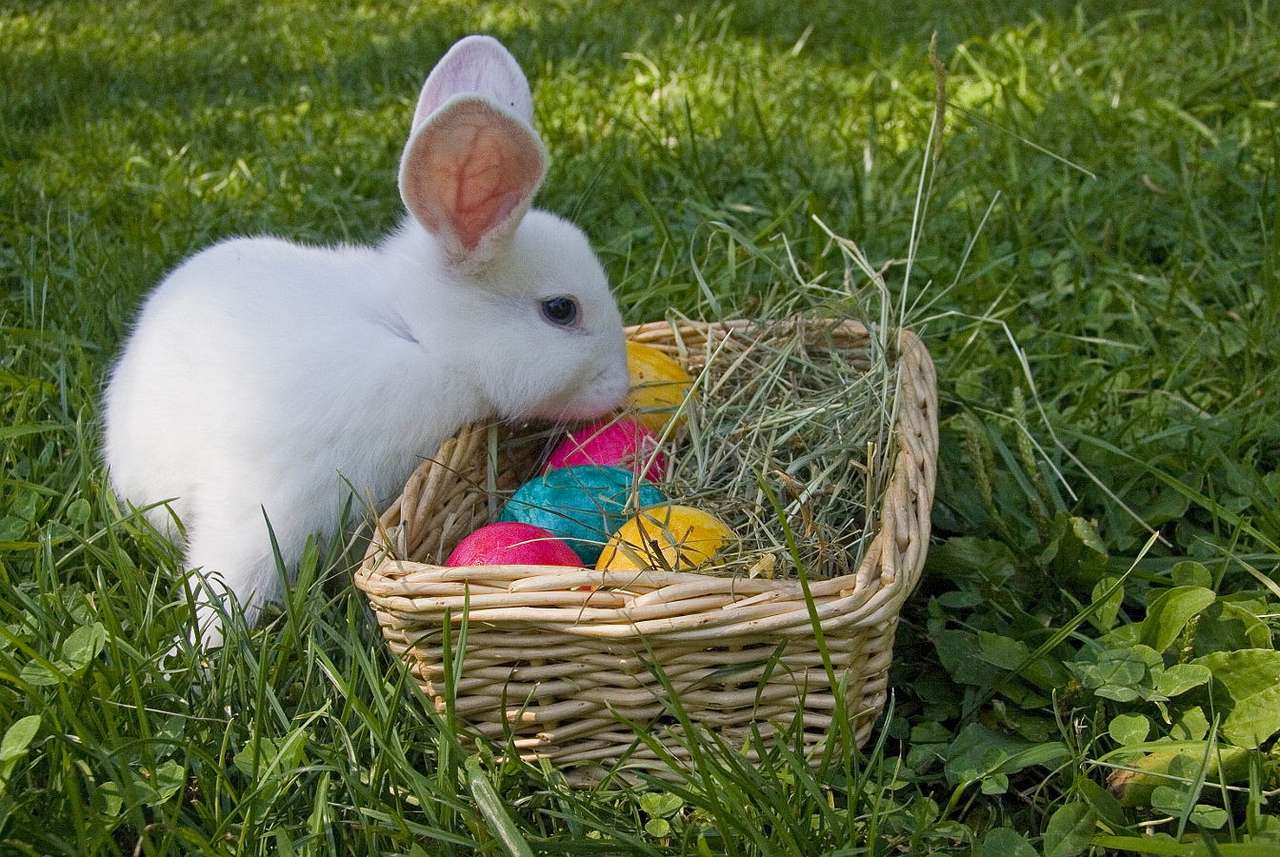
x=581, y=505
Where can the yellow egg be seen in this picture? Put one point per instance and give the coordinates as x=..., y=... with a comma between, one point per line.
x=674, y=538
x=658, y=386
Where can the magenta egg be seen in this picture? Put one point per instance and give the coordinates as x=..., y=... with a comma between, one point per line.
x=619, y=443
x=512, y=543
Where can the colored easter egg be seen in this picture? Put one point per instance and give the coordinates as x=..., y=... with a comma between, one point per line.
x=581, y=505
x=620, y=443
x=512, y=543
x=658, y=385
x=674, y=538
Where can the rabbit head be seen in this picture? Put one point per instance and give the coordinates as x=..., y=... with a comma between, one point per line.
x=530, y=310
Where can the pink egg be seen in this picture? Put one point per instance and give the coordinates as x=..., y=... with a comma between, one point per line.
x=512, y=543
x=620, y=443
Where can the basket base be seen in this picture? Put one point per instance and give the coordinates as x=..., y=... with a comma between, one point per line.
x=578, y=703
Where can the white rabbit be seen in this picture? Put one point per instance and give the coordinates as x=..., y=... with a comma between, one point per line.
x=268, y=377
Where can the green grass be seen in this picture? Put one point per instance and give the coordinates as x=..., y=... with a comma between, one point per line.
x=1129, y=266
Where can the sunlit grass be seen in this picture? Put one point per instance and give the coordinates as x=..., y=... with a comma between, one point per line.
x=1130, y=253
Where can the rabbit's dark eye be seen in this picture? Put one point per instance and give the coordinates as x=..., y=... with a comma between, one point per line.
x=561, y=311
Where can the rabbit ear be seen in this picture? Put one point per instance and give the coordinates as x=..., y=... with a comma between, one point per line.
x=477, y=65
x=468, y=175
x=473, y=161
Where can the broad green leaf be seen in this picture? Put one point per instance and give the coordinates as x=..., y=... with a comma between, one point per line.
x=657, y=827
x=1180, y=678
x=1075, y=549
x=12, y=528
x=924, y=733
x=1170, y=613
x=256, y=756
x=968, y=557
x=660, y=804
x=109, y=798
x=21, y=630
x=959, y=600
x=1035, y=728
x=1191, y=726
x=1001, y=651
x=284, y=846
x=1191, y=573
x=172, y=729
x=78, y=511
x=1109, y=810
x=1104, y=618
x=1232, y=624
x=170, y=777
x=955, y=651
x=1121, y=674
x=1209, y=817
x=1173, y=800
x=978, y=752
x=1250, y=615
x=1127, y=634
x=1118, y=693
x=1070, y=830
x=1005, y=842
x=1220, y=630
x=273, y=757
x=1170, y=800
x=995, y=784
x=942, y=829
x=1124, y=672
x=18, y=737
x=1009, y=654
x=37, y=674
x=1129, y=728
x=1252, y=679
x=921, y=756
x=117, y=798
x=83, y=645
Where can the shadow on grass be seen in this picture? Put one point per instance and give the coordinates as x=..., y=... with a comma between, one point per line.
x=77, y=62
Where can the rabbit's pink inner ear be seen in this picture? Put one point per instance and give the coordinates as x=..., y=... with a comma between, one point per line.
x=469, y=174
x=476, y=65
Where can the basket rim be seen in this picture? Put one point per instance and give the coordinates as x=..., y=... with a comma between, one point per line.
x=888, y=571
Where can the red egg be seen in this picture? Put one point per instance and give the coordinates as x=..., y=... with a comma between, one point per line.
x=512, y=543
x=620, y=443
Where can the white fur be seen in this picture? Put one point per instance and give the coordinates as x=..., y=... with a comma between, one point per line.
x=266, y=376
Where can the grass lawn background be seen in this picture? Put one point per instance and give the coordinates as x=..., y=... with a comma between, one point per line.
x=1130, y=256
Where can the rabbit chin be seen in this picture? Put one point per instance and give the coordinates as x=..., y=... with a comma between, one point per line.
x=585, y=409
x=584, y=406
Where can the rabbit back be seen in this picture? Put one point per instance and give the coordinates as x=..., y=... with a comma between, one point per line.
x=267, y=377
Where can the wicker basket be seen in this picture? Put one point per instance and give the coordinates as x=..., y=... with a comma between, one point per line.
x=555, y=659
